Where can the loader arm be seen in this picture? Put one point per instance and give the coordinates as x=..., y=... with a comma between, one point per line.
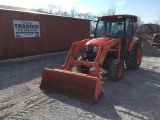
x=96, y=65
x=103, y=50
x=72, y=54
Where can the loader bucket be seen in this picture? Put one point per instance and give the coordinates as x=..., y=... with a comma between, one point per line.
x=77, y=85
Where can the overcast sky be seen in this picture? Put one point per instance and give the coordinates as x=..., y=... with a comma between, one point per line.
x=148, y=10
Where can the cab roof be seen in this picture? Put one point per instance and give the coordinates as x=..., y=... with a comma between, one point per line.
x=118, y=16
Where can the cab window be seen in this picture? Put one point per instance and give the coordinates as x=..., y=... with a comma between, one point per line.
x=128, y=28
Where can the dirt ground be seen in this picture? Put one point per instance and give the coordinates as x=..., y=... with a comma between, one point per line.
x=136, y=96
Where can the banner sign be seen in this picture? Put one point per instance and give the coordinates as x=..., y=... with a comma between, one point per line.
x=24, y=29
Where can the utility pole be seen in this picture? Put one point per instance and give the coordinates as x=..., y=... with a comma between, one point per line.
x=158, y=26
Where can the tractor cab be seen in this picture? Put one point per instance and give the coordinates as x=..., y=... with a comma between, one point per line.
x=115, y=26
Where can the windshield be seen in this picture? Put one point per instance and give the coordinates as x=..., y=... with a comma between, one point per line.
x=110, y=27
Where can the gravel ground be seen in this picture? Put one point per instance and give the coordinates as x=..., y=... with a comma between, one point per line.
x=148, y=49
x=136, y=96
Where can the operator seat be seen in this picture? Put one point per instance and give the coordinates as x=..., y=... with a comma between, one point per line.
x=119, y=34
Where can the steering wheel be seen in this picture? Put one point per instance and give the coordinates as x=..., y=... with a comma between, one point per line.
x=112, y=34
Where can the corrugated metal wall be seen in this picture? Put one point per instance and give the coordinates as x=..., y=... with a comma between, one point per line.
x=57, y=33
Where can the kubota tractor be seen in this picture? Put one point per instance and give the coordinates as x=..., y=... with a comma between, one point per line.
x=113, y=45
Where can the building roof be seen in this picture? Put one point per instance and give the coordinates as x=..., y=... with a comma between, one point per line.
x=34, y=11
x=5, y=7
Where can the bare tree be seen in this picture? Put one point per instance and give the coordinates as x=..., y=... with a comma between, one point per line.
x=51, y=8
x=110, y=11
x=42, y=10
x=65, y=14
x=58, y=11
x=80, y=15
x=73, y=12
x=88, y=16
x=138, y=23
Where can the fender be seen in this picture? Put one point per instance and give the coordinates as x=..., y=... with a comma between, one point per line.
x=131, y=43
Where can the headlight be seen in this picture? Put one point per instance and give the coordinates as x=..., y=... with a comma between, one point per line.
x=95, y=49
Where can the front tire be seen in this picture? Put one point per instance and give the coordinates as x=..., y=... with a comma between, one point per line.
x=116, y=70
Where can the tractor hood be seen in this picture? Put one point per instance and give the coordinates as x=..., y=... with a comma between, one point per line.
x=97, y=41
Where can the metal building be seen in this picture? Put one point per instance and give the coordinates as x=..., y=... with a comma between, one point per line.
x=26, y=33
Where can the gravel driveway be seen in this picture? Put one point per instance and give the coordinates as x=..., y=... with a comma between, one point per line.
x=136, y=96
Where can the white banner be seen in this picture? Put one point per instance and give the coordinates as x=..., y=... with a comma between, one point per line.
x=24, y=29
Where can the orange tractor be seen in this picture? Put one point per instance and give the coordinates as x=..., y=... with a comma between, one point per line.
x=113, y=45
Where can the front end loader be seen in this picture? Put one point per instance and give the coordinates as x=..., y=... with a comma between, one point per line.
x=113, y=45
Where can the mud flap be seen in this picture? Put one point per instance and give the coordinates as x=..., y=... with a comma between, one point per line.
x=76, y=85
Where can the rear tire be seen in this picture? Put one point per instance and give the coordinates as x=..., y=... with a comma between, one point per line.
x=116, y=70
x=133, y=59
x=82, y=68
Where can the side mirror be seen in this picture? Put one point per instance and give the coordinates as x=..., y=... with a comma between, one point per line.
x=134, y=20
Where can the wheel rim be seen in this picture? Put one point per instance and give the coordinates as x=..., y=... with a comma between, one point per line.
x=120, y=70
x=138, y=57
